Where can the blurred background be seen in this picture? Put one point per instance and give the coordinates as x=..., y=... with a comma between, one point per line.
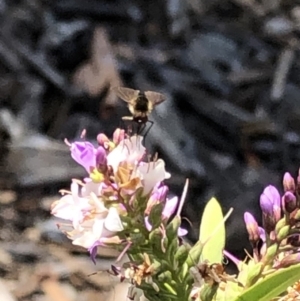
x=231, y=121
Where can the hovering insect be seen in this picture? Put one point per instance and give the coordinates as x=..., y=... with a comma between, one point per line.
x=140, y=104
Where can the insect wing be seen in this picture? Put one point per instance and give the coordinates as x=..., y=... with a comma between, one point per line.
x=127, y=94
x=154, y=97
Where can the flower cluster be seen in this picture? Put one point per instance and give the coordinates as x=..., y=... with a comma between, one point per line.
x=279, y=235
x=276, y=245
x=119, y=188
x=123, y=201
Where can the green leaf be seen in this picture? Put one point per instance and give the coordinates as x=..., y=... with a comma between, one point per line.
x=212, y=232
x=272, y=286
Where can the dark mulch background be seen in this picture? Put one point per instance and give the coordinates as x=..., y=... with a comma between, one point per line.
x=229, y=69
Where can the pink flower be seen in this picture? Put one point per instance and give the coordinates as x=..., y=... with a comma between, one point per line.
x=158, y=195
x=182, y=232
x=170, y=207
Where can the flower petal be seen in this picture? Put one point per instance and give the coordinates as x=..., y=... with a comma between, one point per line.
x=128, y=150
x=152, y=173
x=170, y=207
x=84, y=153
x=182, y=232
x=113, y=222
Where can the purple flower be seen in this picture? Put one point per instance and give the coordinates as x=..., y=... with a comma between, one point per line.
x=84, y=153
x=289, y=202
x=273, y=194
x=288, y=182
x=270, y=200
x=262, y=234
x=252, y=227
x=290, y=259
x=270, y=206
x=266, y=205
x=249, y=219
x=93, y=252
x=182, y=232
x=158, y=195
x=101, y=160
x=170, y=207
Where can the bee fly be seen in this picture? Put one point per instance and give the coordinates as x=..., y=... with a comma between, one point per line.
x=140, y=105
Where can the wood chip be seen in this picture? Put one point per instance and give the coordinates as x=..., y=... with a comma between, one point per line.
x=7, y=197
x=100, y=72
x=83, y=267
x=54, y=290
x=5, y=294
x=283, y=66
x=28, y=284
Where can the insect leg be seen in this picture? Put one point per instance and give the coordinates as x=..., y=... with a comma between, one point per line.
x=148, y=130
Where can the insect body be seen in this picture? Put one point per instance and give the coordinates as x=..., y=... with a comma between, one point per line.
x=140, y=104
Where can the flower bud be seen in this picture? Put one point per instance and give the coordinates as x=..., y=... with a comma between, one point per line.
x=298, y=182
x=297, y=215
x=253, y=273
x=208, y=292
x=288, y=183
x=101, y=160
x=289, y=260
x=289, y=202
x=252, y=227
x=105, y=142
x=156, y=239
x=102, y=139
x=194, y=254
x=270, y=205
x=170, y=207
x=294, y=241
x=266, y=205
x=118, y=136
x=270, y=253
x=156, y=265
x=182, y=253
x=281, y=223
x=158, y=195
x=155, y=215
x=165, y=276
x=172, y=227
x=269, y=223
x=283, y=233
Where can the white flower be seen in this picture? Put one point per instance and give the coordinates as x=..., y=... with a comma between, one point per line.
x=128, y=150
x=71, y=207
x=91, y=187
x=151, y=174
x=102, y=225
